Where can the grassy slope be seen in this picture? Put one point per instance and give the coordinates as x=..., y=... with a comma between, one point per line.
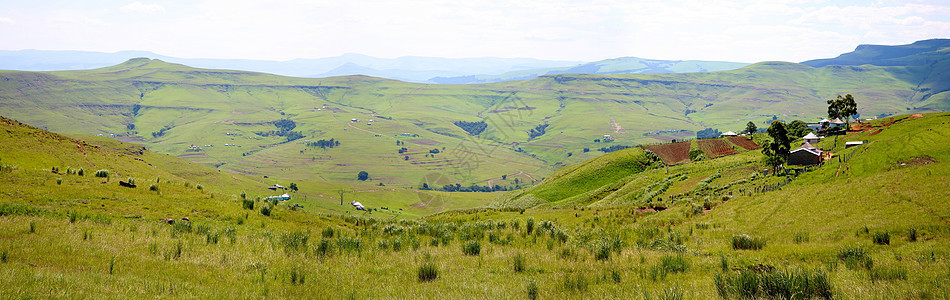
x=200, y=106
x=105, y=253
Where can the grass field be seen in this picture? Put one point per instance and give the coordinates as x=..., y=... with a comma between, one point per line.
x=873, y=225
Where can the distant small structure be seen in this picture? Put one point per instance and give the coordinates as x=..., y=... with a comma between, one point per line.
x=276, y=187
x=283, y=197
x=728, y=134
x=853, y=144
x=811, y=138
x=608, y=138
x=359, y=206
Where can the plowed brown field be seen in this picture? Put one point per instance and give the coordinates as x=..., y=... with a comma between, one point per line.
x=671, y=154
x=713, y=148
x=744, y=142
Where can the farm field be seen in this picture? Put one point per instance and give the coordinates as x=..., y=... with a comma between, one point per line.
x=744, y=142
x=673, y=153
x=713, y=148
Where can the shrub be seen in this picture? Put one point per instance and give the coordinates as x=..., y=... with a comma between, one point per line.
x=102, y=173
x=748, y=284
x=112, y=265
x=529, y=225
x=472, y=248
x=881, y=238
x=745, y=242
x=32, y=226
x=323, y=248
x=247, y=204
x=4, y=256
x=427, y=272
x=81, y=172
x=153, y=188
x=674, y=264
x=518, y=263
x=912, y=235
x=59, y=181
x=532, y=290
x=602, y=251
x=265, y=210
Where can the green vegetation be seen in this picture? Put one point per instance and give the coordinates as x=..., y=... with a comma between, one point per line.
x=610, y=226
x=246, y=122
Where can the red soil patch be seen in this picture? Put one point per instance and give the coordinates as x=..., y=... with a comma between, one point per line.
x=715, y=148
x=914, y=116
x=426, y=142
x=744, y=142
x=876, y=132
x=671, y=154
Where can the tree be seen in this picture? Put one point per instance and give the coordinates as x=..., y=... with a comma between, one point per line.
x=843, y=108
x=750, y=128
x=362, y=176
x=708, y=133
x=776, y=151
x=797, y=129
x=293, y=186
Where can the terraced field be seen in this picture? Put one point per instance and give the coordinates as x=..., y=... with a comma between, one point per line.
x=713, y=148
x=744, y=142
x=673, y=153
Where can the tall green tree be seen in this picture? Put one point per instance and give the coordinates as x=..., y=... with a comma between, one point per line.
x=797, y=129
x=776, y=151
x=362, y=176
x=750, y=127
x=843, y=108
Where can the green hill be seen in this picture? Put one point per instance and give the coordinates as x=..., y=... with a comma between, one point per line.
x=872, y=225
x=170, y=108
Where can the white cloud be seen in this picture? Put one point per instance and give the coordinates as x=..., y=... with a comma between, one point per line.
x=4, y=20
x=142, y=8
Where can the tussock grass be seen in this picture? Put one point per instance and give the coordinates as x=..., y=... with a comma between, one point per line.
x=801, y=284
x=881, y=238
x=745, y=242
x=472, y=248
x=428, y=271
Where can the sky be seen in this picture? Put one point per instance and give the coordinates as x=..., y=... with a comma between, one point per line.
x=724, y=30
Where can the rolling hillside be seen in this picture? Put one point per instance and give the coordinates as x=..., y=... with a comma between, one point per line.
x=872, y=225
x=170, y=108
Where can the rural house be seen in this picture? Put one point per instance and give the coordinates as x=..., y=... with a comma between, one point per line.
x=807, y=154
x=811, y=138
x=728, y=133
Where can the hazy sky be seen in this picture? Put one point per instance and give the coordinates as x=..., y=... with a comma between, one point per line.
x=744, y=31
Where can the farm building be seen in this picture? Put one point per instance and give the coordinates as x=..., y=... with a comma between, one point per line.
x=805, y=155
x=283, y=197
x=728, y=134
x=853, y=144
x=811, y=138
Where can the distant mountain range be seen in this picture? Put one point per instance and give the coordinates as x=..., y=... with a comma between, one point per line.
x=409, y=68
